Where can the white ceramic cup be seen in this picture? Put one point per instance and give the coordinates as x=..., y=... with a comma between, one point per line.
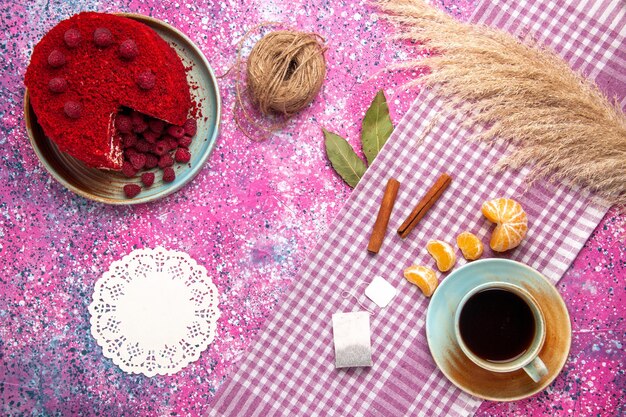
x=529, y=360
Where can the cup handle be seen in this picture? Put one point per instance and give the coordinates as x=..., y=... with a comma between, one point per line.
x=536, y=369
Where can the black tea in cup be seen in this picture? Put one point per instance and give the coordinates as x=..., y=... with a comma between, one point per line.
x=497, y=325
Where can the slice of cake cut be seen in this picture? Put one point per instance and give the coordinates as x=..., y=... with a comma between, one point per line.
x=90, y=66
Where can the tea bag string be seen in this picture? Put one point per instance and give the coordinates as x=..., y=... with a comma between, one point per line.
x=347, y=294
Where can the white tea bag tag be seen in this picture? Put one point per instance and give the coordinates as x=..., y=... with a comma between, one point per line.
x=380, y=291
x=351, y=335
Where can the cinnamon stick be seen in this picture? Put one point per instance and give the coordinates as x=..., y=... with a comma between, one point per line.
x=382, y=219
x=424, y=205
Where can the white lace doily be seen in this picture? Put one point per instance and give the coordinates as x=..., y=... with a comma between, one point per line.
x=154, y=311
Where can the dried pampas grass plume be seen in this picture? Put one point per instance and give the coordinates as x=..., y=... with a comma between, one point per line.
x=559, y=121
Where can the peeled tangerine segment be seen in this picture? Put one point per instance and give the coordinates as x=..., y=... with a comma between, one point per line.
x=511, y=220
x=443, y=254
x=423, y=277
x=470, y=245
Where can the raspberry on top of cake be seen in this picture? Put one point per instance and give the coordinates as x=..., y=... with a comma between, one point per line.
x=90, y=66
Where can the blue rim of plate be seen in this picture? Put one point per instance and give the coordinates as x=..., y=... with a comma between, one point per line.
x=447, y=357
x=60, y=165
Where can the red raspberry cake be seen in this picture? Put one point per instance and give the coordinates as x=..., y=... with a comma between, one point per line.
x=87, y=68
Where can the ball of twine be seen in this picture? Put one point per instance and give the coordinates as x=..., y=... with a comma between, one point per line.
x=285, y=71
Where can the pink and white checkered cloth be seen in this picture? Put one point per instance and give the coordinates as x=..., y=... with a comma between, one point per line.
x=290, y=370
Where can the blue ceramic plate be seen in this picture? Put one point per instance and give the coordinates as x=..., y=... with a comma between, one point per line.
x=107, y=186
x=458, y=368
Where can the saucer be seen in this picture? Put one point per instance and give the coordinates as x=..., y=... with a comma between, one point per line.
x=464, y=373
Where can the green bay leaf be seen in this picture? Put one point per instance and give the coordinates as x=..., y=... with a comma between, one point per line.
x=343, y=158
x=376, y=127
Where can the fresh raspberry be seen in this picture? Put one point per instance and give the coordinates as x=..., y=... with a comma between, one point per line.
x=129, y=50
x=190, y=127
x=182, y=155
x=147, y=178
x=168, y=174
x=176, y=132
x=72, y=38
x=138, y=122
x=57, y=85
x=136, y=117
x=140, y=127
x=161, y=148
x=185, y=141
x=128, y=170
x=164, y=138
x=72, y=109
x=150, y=136
x=146, y=80
x=143, y=146
x=131, y=190
x=129, y=152
x=129, y=140
x=156, y=125
x=138, y=161
x=166, y=161
x=123, y=123
x=172, y=143
x=151, y=161
x=56, y=59
x=102, y=37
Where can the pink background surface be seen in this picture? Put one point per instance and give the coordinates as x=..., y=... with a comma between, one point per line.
x=250, y=218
